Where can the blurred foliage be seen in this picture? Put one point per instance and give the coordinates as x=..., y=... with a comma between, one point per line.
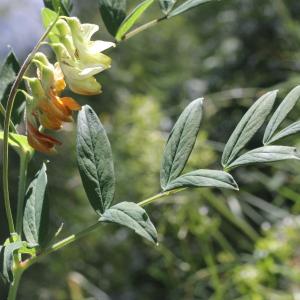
x=212, y=244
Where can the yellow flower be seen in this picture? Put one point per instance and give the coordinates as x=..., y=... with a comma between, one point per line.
x=79, y=57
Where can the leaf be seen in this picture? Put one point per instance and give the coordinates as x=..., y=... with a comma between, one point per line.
x=113, y=13
x=36, y=209
x=67, y=5
x=95, y=160
x=131, y=215
x=187, y=5
x=167, y=5
x=132, y=18
x=265, y=154
x=203, y=178
x=48, y=17
x=8, y=253
x=181, y=142
x=248, y=126
x=8, y=74
x=281, y=112
x=290, y=130
x=18, y=142
x=62, y=6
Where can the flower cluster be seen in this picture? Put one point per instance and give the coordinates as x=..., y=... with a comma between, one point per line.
x=45, y=107
x=79, y=59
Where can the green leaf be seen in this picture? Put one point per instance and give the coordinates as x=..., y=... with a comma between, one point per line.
x=95, y=160
x=48, y=17
x=8, y=253
x=167, y=5
x=131, y=215
x=187, y=5
x=248, y=126
x=36, y=209
x=290, y=130
x=18, y=142
x=265, y=154
x=204, y=178
x=281, y=112
x=62, y=6
x=67, y=5
x=113, y=13
x=181, y=142
x=8, y=74
x=132, y=18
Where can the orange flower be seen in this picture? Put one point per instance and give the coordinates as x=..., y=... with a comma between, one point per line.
x=39, y=141
x=59, y=82
x=56, y=110
x=45, y=106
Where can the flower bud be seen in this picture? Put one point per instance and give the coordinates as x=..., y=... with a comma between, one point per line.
x=62, y=27
x=36, y=89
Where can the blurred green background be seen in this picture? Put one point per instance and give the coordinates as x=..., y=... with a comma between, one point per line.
x=212, y=244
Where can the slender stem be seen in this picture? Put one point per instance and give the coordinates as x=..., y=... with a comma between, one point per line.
x=24, y=159
x=142, y=28
x=159, y=196
x=13, y=289
x=74, y=237
x=68, y=240
x=11, y=124
x=10, y=103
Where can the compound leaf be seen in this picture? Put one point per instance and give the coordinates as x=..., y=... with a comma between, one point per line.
x=248, y=126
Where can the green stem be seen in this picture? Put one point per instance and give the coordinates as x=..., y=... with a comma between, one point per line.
x=13, y=289
x=74, y=237
x=11, y=124
x=159, y=196
x=68, y=240
x=10, y=104
x=24, y=159
x=142, y=28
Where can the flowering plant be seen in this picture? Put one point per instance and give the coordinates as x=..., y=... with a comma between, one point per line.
x=79, y=59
